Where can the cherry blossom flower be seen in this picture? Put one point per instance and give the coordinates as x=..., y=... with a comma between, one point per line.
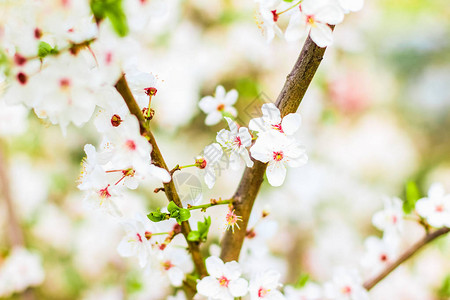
x=268, y=18
x=278, y=150
x=224, y=282
x=390, y=219
x=137, y=239
x=271, y=120
x=219, y=105
x=379, y=253
x=20, y=270
x=264, y=286
x=314, y=16
x=175, y=262
x=436, y=207
x=208, y=163
x=141, y=84
x=235, y=141
x=345, y=285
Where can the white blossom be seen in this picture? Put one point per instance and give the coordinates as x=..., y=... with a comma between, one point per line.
x=224, y=281
x=208, y=163
x=279, y=151
x=314, y=16
x=265, y=286
x=345, y=285
x=219, y=105
x=436, y=207
x=235, y=141
x=271, y=120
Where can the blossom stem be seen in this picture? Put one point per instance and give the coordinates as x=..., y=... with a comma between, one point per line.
x=188, y=166
x=288, y=9
x=203, y=207
x=288, y=101
x=429, y=237
x=149, y=103
x=158, y=160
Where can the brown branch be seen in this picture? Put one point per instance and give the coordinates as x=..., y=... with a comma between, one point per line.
x=15, y=233
x=291, y=95
x=158, y=160
x=369, y=284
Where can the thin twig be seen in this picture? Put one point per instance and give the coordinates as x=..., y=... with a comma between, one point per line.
x=369, y=284
x=158, y=160
x=291, y=95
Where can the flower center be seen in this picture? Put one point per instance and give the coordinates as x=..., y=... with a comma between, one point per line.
x=278, y=128
x=139, y=237
x=64, y=83
x=220, y=107
x=238, y=141
x=148, y=235
x=278, y=155
x=346, y=290
x=167, y=265
x=104, y=193
x=440, y=208
x=383, y=257
x=37, y=33
x=262, y=292
x=223, y=281
x=310, y=20
x=131, y=145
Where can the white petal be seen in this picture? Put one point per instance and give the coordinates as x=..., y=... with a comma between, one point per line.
x=126, y=248
x=142, y=256
x=220, y=93
x=215, y=266
x=208, y=104
x=330, y=14
x=291, y=123
x=212, y=153
x=176, y=276
x=232, y=270
x=296, y=28
x=208, y=286
x=213, y=118
x=322, y=35
x=210, y=177
x=271, y=113
x=160, y=173
x=276, y=173
x=238, y=287
x=232, y=125
x=436, y=190
x=257, y=124
x=231, y=97
x=245, y=136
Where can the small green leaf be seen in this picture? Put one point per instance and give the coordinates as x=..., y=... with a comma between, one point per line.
x=185, y=214
x=444, y=290
x=113, y=11
x=302, y=280
x=172, y=207
x=193, y=236
x=203, y=228
x=45, y=49
x=157, y=216
x=412, y=194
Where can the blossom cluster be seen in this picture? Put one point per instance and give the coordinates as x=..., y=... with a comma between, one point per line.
x=20, y=270
x=274, y=140
x=313, y=17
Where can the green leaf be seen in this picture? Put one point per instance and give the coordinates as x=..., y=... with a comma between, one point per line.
x=412, y=194
x=185, y=214
x=45, y=49
x=203, y=228
x=444, y=290
x=113, y=11
x=302, y=280
x=172, y=207
x=193, y=236
x=157, y=216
